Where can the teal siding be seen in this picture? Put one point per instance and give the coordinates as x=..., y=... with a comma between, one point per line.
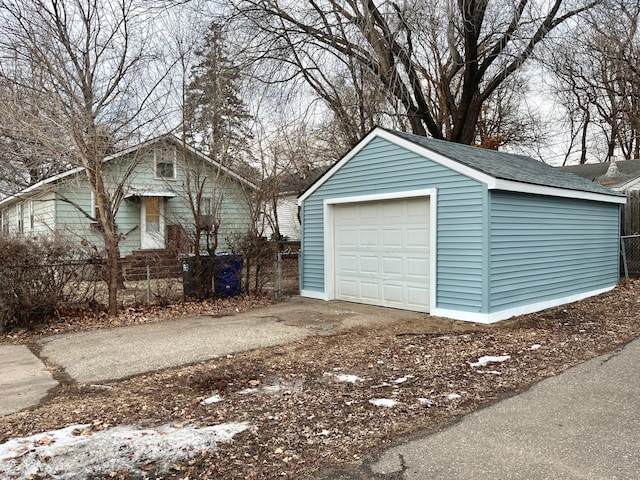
x=544, y=248
x=61, y=207
x=382, y=167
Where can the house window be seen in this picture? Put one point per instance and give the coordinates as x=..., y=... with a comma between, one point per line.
x=5, y=221
x=20, y=217
x=32, y=214
x=95, y=211
x=165, y=163
x=206, y=217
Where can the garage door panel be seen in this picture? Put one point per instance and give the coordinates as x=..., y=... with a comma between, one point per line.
x=392, y=265
x=392, y=238
x=393, y=293
x=417, y=295
x=369, y=290
x=348, y=288
x=418, y=267
x=348, y=264
x=368, y=238
x=391, y=253
x=347, y=237
x=417, y=237
x=369, y=264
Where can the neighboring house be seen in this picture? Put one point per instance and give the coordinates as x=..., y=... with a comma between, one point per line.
x=287, y=210
x=623, y=176
x=154, y=210
x=457, y=231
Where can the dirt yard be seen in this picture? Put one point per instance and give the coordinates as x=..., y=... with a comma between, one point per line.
x=329, y=402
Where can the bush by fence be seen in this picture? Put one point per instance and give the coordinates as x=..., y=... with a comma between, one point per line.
x=38, y=275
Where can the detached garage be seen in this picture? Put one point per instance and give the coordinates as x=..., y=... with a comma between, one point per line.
x=410, y=222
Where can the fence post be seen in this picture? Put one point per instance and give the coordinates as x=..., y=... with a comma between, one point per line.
x=278, y=272
x=624, y=258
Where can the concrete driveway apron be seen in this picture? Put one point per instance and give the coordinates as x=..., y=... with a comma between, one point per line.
x=110, y=354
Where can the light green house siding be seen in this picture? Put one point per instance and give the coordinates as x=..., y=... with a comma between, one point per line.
x=63, y=205
x=545, y=247
x=382, y=167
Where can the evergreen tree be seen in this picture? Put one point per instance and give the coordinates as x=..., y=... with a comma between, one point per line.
x=215, y=116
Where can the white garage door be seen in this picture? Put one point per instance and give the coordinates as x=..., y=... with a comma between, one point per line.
x=382, y=253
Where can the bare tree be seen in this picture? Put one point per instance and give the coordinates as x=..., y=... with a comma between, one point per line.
x=92, y=59
x=438, y=62
x=598, y=80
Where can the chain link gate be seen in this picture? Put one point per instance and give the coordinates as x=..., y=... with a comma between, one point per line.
x=286, y=278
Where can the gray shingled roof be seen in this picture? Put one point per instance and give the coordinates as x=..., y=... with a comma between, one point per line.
x=596, y=172
x=507, y=166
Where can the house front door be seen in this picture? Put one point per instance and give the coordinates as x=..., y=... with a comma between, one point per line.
x=152, y=223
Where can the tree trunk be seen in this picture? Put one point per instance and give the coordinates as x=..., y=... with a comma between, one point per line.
x=113, y=272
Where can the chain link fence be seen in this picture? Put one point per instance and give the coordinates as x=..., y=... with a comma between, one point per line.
x=630, y=250
x=287, y=274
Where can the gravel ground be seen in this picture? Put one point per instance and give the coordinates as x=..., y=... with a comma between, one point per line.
x=328, y=402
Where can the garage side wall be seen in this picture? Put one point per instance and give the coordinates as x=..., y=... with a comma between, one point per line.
x=382, y=167
x=545, y=248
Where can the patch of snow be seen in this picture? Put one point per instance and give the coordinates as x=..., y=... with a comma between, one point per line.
x=494, y=372
x=383, y=402
x=67, y=454
x=344, y=377
x=484, y=361
x=248, y=391
x=453, y=396
x=383, y=384
x=535, y=346
x=402, y=379
x=426, y=401
x=211, y=399
x=349, y=378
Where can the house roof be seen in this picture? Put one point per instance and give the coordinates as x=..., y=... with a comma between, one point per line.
x=499, y=170
x=294, y=183
x=170, y=137
x=623, y=172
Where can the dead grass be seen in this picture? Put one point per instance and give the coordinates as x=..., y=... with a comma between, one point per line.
x=307, y=423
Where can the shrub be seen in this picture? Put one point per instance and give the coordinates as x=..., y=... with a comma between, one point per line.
x=37, y=276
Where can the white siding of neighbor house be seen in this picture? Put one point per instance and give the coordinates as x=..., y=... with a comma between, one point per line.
x=288, y=222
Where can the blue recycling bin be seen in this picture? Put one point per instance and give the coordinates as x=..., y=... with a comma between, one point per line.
x=227, y=275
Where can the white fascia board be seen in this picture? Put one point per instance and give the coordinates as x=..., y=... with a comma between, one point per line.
x=630, y=185
x=382, y=196
x=361, y=144
x=511, y=186
x=40, y=184
x=491, y=182
x=512, y=312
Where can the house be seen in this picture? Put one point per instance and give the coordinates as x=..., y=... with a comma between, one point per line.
x=409, y=222
x=622, y=176
x=285, y=214
x=154, y=211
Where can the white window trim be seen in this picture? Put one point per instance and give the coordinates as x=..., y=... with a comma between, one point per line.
x=32, y=214
x=4, y=219
x=20, y=217
x=174, y=160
